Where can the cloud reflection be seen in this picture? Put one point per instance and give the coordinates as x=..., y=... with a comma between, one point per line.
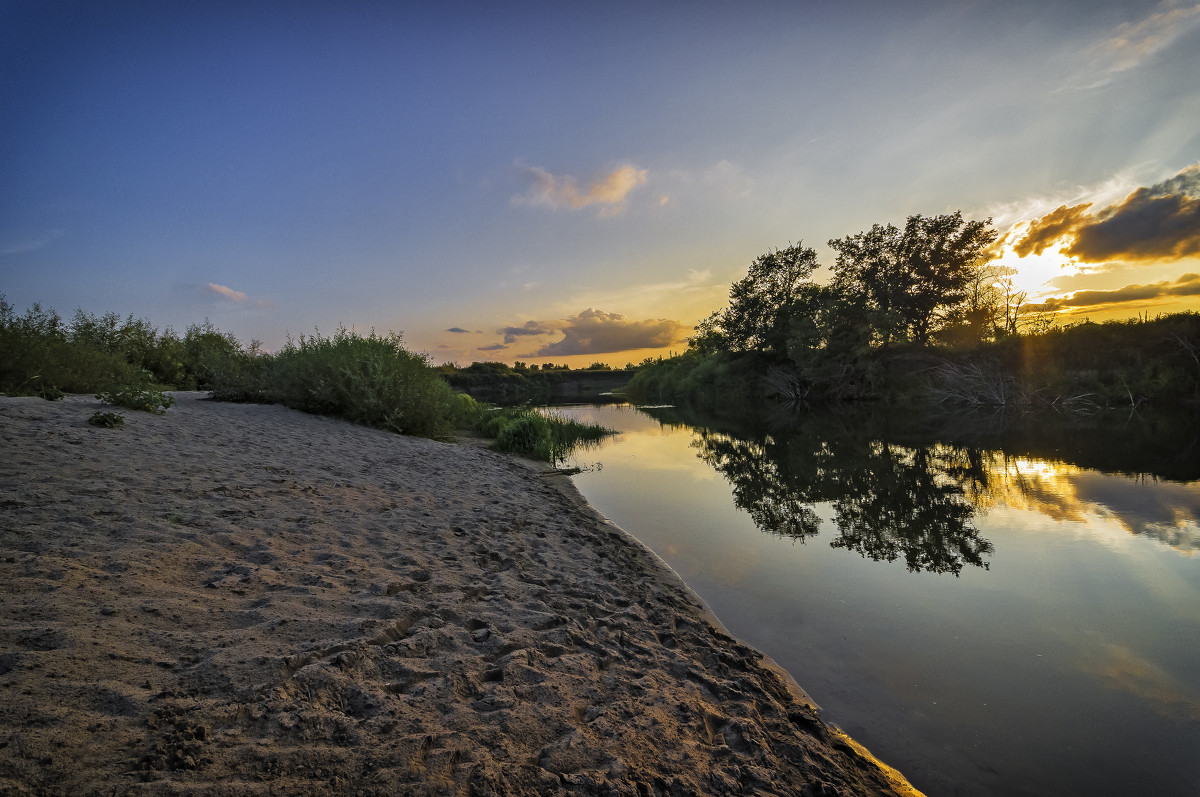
x=1166, y=511
x=1129, y=671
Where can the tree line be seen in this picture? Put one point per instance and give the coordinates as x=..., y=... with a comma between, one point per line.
x=922, y=308
x=889, y=285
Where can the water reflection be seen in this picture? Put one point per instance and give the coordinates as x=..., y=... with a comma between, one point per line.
x=897, y=490
x=889, y=502
x=1061, y=661
x=1143, y=506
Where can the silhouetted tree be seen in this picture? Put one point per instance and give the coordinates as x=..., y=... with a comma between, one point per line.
x=912, y=280
x=761, y=304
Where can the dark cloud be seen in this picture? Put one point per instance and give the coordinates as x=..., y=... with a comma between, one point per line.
x=1161, y=222
x=1187, y=285
x=530, y=328
x=598, y=332
x=459, y=330
x=1143, y=227
x=493, y=347
x=1049, y=228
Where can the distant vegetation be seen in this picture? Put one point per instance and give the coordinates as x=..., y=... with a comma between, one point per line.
x=917, y=315
x=530, y=384
x=371, y=379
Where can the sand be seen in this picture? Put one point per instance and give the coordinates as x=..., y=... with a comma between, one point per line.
x=244, y=599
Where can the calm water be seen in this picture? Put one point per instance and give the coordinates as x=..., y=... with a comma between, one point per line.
x=997, y=610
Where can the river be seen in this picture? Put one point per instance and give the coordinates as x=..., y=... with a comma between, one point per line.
x=994, y=607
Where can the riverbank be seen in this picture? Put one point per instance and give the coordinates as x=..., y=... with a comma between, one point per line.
x=243, y=599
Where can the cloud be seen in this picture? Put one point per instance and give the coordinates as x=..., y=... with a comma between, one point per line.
x=461, y=331
x=1159, y=223
x=228, y=293
x=1187, y=285
x=1133, y=43
x=1123, y=668
x=530, y=328
x=1106, y=192
x=237, y=297
x=609, y=190
x=1049, y=229
x=493, y=347
x=598, y=332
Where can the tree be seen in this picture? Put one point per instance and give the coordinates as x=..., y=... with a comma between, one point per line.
x=760, y=304
x=912, y=280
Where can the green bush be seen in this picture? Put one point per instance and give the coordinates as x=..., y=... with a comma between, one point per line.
x=370, y=380
x=139, y=397
x=40, y=353
x=110, y=420
x=39, y=356
x=706, y=380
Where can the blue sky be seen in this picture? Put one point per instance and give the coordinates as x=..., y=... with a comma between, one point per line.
x=575, y=181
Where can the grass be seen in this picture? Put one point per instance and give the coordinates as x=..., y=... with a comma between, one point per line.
x=538, y=435
x=372, y=380
x=368, y=379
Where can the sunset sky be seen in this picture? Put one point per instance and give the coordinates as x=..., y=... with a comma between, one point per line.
x=573, y=182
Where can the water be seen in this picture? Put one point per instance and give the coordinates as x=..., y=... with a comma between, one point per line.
x=1001, y=609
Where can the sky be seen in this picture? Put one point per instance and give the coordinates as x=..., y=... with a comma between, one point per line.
x=577, y=182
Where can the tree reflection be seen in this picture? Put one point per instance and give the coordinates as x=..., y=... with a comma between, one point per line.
x=888, y=501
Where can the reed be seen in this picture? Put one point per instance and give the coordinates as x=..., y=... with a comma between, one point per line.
x=546, y=436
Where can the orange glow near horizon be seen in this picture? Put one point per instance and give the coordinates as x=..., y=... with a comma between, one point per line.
x=1032, y=273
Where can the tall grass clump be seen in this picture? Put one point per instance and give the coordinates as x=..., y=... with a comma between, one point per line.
x=537, y=435
x=371, y=380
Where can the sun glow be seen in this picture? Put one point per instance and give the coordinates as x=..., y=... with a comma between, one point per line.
x=1033, y=273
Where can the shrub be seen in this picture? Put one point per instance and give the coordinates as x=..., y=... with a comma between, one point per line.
x=39, y=357
x=370, y=380
x=110, y=420
x=139, y=397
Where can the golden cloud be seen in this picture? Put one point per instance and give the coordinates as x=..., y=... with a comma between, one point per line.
x=1159, y=223
x=1187, y=285
x=609, y=190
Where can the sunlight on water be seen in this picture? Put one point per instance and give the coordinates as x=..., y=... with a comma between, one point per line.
x=1110, y=507
x=989, y=621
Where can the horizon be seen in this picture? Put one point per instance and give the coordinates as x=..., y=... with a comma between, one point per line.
x=578, y=185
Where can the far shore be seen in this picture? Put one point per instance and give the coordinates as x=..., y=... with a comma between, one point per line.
x=245, y=599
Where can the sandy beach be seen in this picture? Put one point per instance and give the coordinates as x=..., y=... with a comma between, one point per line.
x=244, y=599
